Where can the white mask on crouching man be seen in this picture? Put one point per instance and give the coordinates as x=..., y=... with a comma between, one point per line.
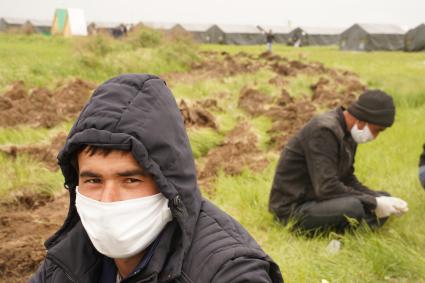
x=122, y=229
x=361, y=136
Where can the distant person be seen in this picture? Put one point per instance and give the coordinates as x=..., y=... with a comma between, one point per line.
x=314, y=184
x=269, y=40
x=422, y=167
x=136, y=213
x=119, y=31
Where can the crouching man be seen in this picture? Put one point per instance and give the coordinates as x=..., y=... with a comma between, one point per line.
x=314, y=183
x=136, y=213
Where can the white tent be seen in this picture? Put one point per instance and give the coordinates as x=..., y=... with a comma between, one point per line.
x=69, y=22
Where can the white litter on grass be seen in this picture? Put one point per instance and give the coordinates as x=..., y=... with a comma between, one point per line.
x=333, y=247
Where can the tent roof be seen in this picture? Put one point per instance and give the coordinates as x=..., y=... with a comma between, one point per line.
x=278, y=29
x=196, y=27
x=420, y=26
x=41, y=23
x=160, y=25
x=382, y=28
x=322, y=30
x=238, y=28
x=15, y=21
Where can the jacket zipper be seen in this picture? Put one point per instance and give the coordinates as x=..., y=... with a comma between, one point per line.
x=64, y=269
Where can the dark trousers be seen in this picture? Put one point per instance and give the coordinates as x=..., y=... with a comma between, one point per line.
x=334, y=214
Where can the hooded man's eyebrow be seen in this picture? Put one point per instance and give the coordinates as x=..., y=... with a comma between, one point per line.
x=89, y=174
x=135, y=172
x=127, y=173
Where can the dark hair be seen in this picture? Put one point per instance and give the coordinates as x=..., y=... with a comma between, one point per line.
x=92, y=150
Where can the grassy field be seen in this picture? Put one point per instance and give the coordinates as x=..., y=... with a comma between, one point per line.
x=396, y=253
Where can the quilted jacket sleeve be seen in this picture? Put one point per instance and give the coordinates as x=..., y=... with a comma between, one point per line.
x=40, y=275
x=246, y=270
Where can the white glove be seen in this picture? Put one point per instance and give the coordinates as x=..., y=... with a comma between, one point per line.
x=385, y=206
x=401, y=206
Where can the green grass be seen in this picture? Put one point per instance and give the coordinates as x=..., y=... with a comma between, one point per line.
x=202, y=140
x=24, y=135
x=262, y=125
x=45, y=60
x=301, y=85
x=24, y=174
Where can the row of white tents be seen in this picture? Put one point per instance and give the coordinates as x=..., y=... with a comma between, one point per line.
x=361, y=37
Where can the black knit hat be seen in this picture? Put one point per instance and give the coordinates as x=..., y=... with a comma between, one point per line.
x=375, y=107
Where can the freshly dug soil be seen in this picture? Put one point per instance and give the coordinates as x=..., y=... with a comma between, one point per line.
x=41, y=107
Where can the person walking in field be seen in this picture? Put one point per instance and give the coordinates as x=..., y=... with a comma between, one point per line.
x=422, y=168
x=136, y=213
x=315, y=185
x=269, y=40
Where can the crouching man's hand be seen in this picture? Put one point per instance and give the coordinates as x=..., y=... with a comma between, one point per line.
x=386, y=206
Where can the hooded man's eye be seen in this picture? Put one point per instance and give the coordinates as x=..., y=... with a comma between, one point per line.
x=133, y=180
x=92, y=181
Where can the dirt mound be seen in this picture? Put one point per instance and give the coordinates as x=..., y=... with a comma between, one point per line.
x=238, y=151
x=253, y=101
x=217, y=65
x=16, y=91
x=45, y=153
x=269, y=56
x=5, y=103
x=283, y=69
x=41, y=107
x=337, y=90
x=278, y=81
x=224, y=64
x=196, y=115
x=210, y=103
x=21, y=252
x=288, y=119
x=284, y=99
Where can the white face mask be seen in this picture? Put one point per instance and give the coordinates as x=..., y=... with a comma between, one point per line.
x=361, y=136
x=122, y=229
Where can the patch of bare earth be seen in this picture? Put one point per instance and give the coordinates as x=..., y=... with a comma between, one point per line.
x=197, y=113
x=45, y=153
x=238, y=151
x=41, y=107
x=24, y=226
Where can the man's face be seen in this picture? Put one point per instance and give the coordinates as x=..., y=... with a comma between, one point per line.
x=114, y=177
x=374, y=129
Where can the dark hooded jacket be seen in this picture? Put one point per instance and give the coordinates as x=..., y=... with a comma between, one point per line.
x=422, y=157
x=318, y=164
x=202, y=244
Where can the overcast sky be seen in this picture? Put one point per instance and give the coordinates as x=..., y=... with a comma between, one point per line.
x=338, y=13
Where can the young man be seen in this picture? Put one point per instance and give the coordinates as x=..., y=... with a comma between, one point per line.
x=314, y=183
x=136, y=213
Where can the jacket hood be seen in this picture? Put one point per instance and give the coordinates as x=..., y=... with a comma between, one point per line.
x=138, y=113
